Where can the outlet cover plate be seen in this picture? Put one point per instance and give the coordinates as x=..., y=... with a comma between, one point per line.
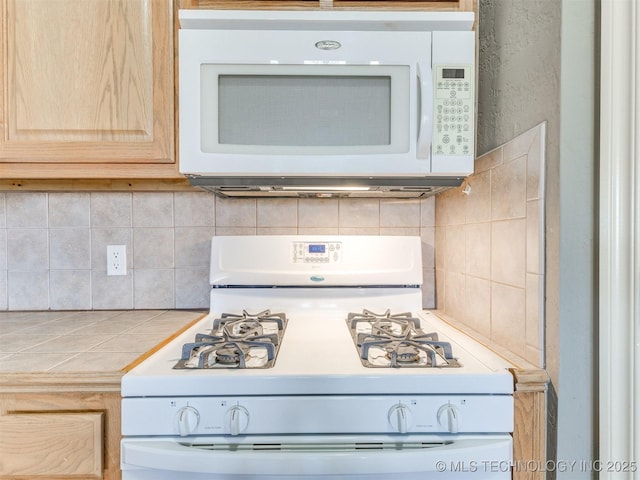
x=116, y=260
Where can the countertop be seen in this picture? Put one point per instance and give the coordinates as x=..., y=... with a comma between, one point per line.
x=527, y=377
x=89, y=348
x=93, y=349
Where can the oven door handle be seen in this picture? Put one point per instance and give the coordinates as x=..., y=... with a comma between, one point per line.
x=168, y=455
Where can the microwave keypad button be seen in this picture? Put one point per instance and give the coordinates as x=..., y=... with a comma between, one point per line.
x=452, y=129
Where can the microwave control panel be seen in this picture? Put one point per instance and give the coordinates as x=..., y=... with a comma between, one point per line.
x=317, y=252
x=453, y=110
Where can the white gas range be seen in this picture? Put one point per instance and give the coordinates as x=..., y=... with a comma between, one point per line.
x=317, y=361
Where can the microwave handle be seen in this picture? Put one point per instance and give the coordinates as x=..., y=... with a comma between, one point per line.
x=425, y=116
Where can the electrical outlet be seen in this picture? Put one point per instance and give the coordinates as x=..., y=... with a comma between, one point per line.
x=116, y=259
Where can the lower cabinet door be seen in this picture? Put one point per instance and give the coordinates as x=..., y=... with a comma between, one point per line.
x=44, y=445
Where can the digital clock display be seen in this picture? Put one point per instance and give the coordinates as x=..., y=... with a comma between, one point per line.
x=317, y=248
x=453, y=73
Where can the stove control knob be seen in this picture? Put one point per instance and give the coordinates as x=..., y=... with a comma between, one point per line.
x=448, y=417
x=188, y=419
x=399, y=417
x=237, y=419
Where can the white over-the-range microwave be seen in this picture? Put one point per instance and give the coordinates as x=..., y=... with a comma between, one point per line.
x=323, y=103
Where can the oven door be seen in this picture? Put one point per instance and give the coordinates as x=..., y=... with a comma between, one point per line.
x=411, y=457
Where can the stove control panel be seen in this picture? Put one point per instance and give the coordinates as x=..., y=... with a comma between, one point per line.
x=317, y=252
x=321, y=414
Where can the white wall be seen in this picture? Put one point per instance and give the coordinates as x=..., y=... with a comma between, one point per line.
x=577, y=409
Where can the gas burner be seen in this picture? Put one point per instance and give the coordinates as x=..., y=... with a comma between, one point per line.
x=236, y=341
x=246, y=325
x=239, y=329
x=396, y=340
x=230, y=354
x=404, y=354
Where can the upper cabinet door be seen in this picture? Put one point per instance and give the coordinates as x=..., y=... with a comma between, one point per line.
x=88, y=82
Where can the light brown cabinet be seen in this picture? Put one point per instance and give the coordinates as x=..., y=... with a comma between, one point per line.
x=63, y=435
x=88, y=89
x=531, y=429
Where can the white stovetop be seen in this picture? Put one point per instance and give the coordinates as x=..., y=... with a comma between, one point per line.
x=317, y=329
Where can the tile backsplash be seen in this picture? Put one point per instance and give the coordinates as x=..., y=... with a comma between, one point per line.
x=53, y=245
x=490, y=247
